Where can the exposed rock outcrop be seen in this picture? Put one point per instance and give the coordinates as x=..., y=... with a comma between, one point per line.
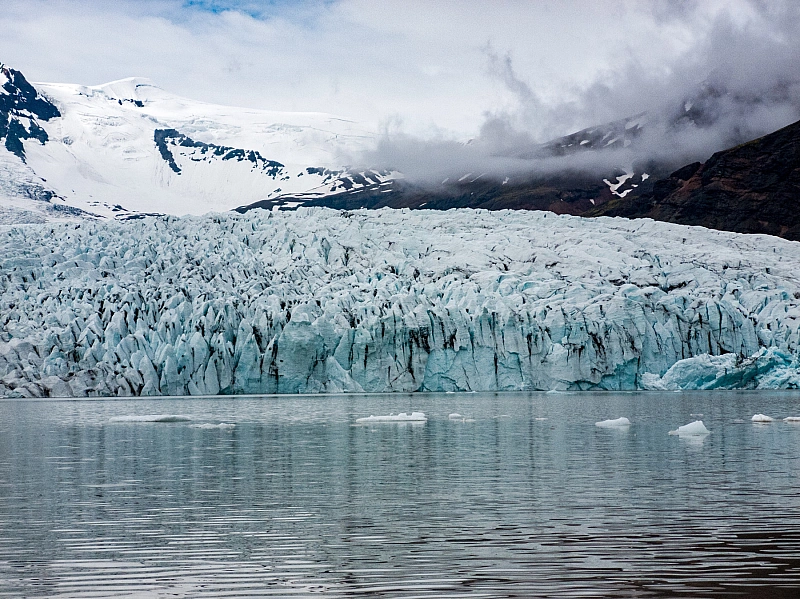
x=752, y=188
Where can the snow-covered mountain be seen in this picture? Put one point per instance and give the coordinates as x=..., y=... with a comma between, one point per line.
x=393, y=300
x=129, y=148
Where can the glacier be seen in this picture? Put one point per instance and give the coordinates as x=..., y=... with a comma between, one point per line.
x=321, y=301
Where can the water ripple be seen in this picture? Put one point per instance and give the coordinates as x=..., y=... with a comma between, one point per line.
x=294, y=501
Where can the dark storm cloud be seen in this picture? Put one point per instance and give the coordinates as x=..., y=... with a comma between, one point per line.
x=738, y=80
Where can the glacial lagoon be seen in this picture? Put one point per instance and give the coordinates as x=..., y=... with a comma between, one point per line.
x=520, y=495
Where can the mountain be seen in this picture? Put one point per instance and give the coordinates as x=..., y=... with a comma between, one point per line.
x=563, y=193
x=128, y=148
x=711, y=112
x=570, y=190
x=751, y=188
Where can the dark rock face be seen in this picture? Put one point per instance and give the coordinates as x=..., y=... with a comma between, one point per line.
x=614, y=135
x=752, y=188
x=573, y=193
x=570, y=193
x=21, y=107
x=168, y=139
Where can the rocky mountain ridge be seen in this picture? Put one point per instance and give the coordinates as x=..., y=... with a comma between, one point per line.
x=751, y=188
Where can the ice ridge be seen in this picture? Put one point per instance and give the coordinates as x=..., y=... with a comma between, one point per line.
x=325, y=301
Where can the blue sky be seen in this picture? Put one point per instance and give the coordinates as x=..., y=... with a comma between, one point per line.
x=432, y=69
x=265, y=9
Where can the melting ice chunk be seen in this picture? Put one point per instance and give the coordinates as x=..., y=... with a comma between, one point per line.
x=459, y=418
x=795, y=419
x=616, y=423
x=693, y=429
x=401, y=417
x=152, y=418
x=225, y=426
x=762, y=419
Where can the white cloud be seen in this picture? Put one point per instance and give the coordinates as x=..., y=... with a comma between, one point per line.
x=437, y=70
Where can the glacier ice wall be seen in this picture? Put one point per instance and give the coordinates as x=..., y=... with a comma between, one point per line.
x=325, y=301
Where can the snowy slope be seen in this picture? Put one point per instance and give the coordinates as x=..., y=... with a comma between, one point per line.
x=318, y=300
x=130, y=148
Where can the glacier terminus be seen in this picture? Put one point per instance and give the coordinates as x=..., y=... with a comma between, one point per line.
x=318, y=300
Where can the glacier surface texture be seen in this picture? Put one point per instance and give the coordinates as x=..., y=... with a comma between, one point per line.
x=325, y=301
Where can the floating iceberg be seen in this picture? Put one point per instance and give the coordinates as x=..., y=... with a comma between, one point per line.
x=792, y=419
x=762, y=418
x=460, y=418
x=616, y=423
x=401, y=417
x=151, y=418
x=319, y=301
x=693, y=429
x=225, y=426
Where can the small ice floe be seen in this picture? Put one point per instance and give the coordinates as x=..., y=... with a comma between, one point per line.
x=152, y=418
x=693, y=429
x=616, y=423
x=762, y=419
x=540, y=419
x=794, y=419
x=460, y=418
x=401, y=417
x=696, y=415
x=225, y=426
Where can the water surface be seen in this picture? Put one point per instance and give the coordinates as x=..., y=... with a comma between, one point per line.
x=523, y=497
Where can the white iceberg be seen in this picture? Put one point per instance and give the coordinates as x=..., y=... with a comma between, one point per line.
x=208, y=426
x=615, y=423
x=401, y=417
x=459, y=418
x=762, y=419
x=151, y=418
x=792, y=419
x=693, y=429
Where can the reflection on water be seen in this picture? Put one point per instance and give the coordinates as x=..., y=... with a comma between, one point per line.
x=522, y=496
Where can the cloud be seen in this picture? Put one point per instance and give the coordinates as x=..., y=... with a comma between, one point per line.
x=730, y=74
x=506, y=75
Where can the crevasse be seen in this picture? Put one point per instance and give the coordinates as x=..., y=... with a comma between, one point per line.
x=325, y=301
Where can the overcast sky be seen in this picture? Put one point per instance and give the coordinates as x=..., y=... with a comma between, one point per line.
x=434, y=69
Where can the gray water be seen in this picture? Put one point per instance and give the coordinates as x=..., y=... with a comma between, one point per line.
x=525, y=497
